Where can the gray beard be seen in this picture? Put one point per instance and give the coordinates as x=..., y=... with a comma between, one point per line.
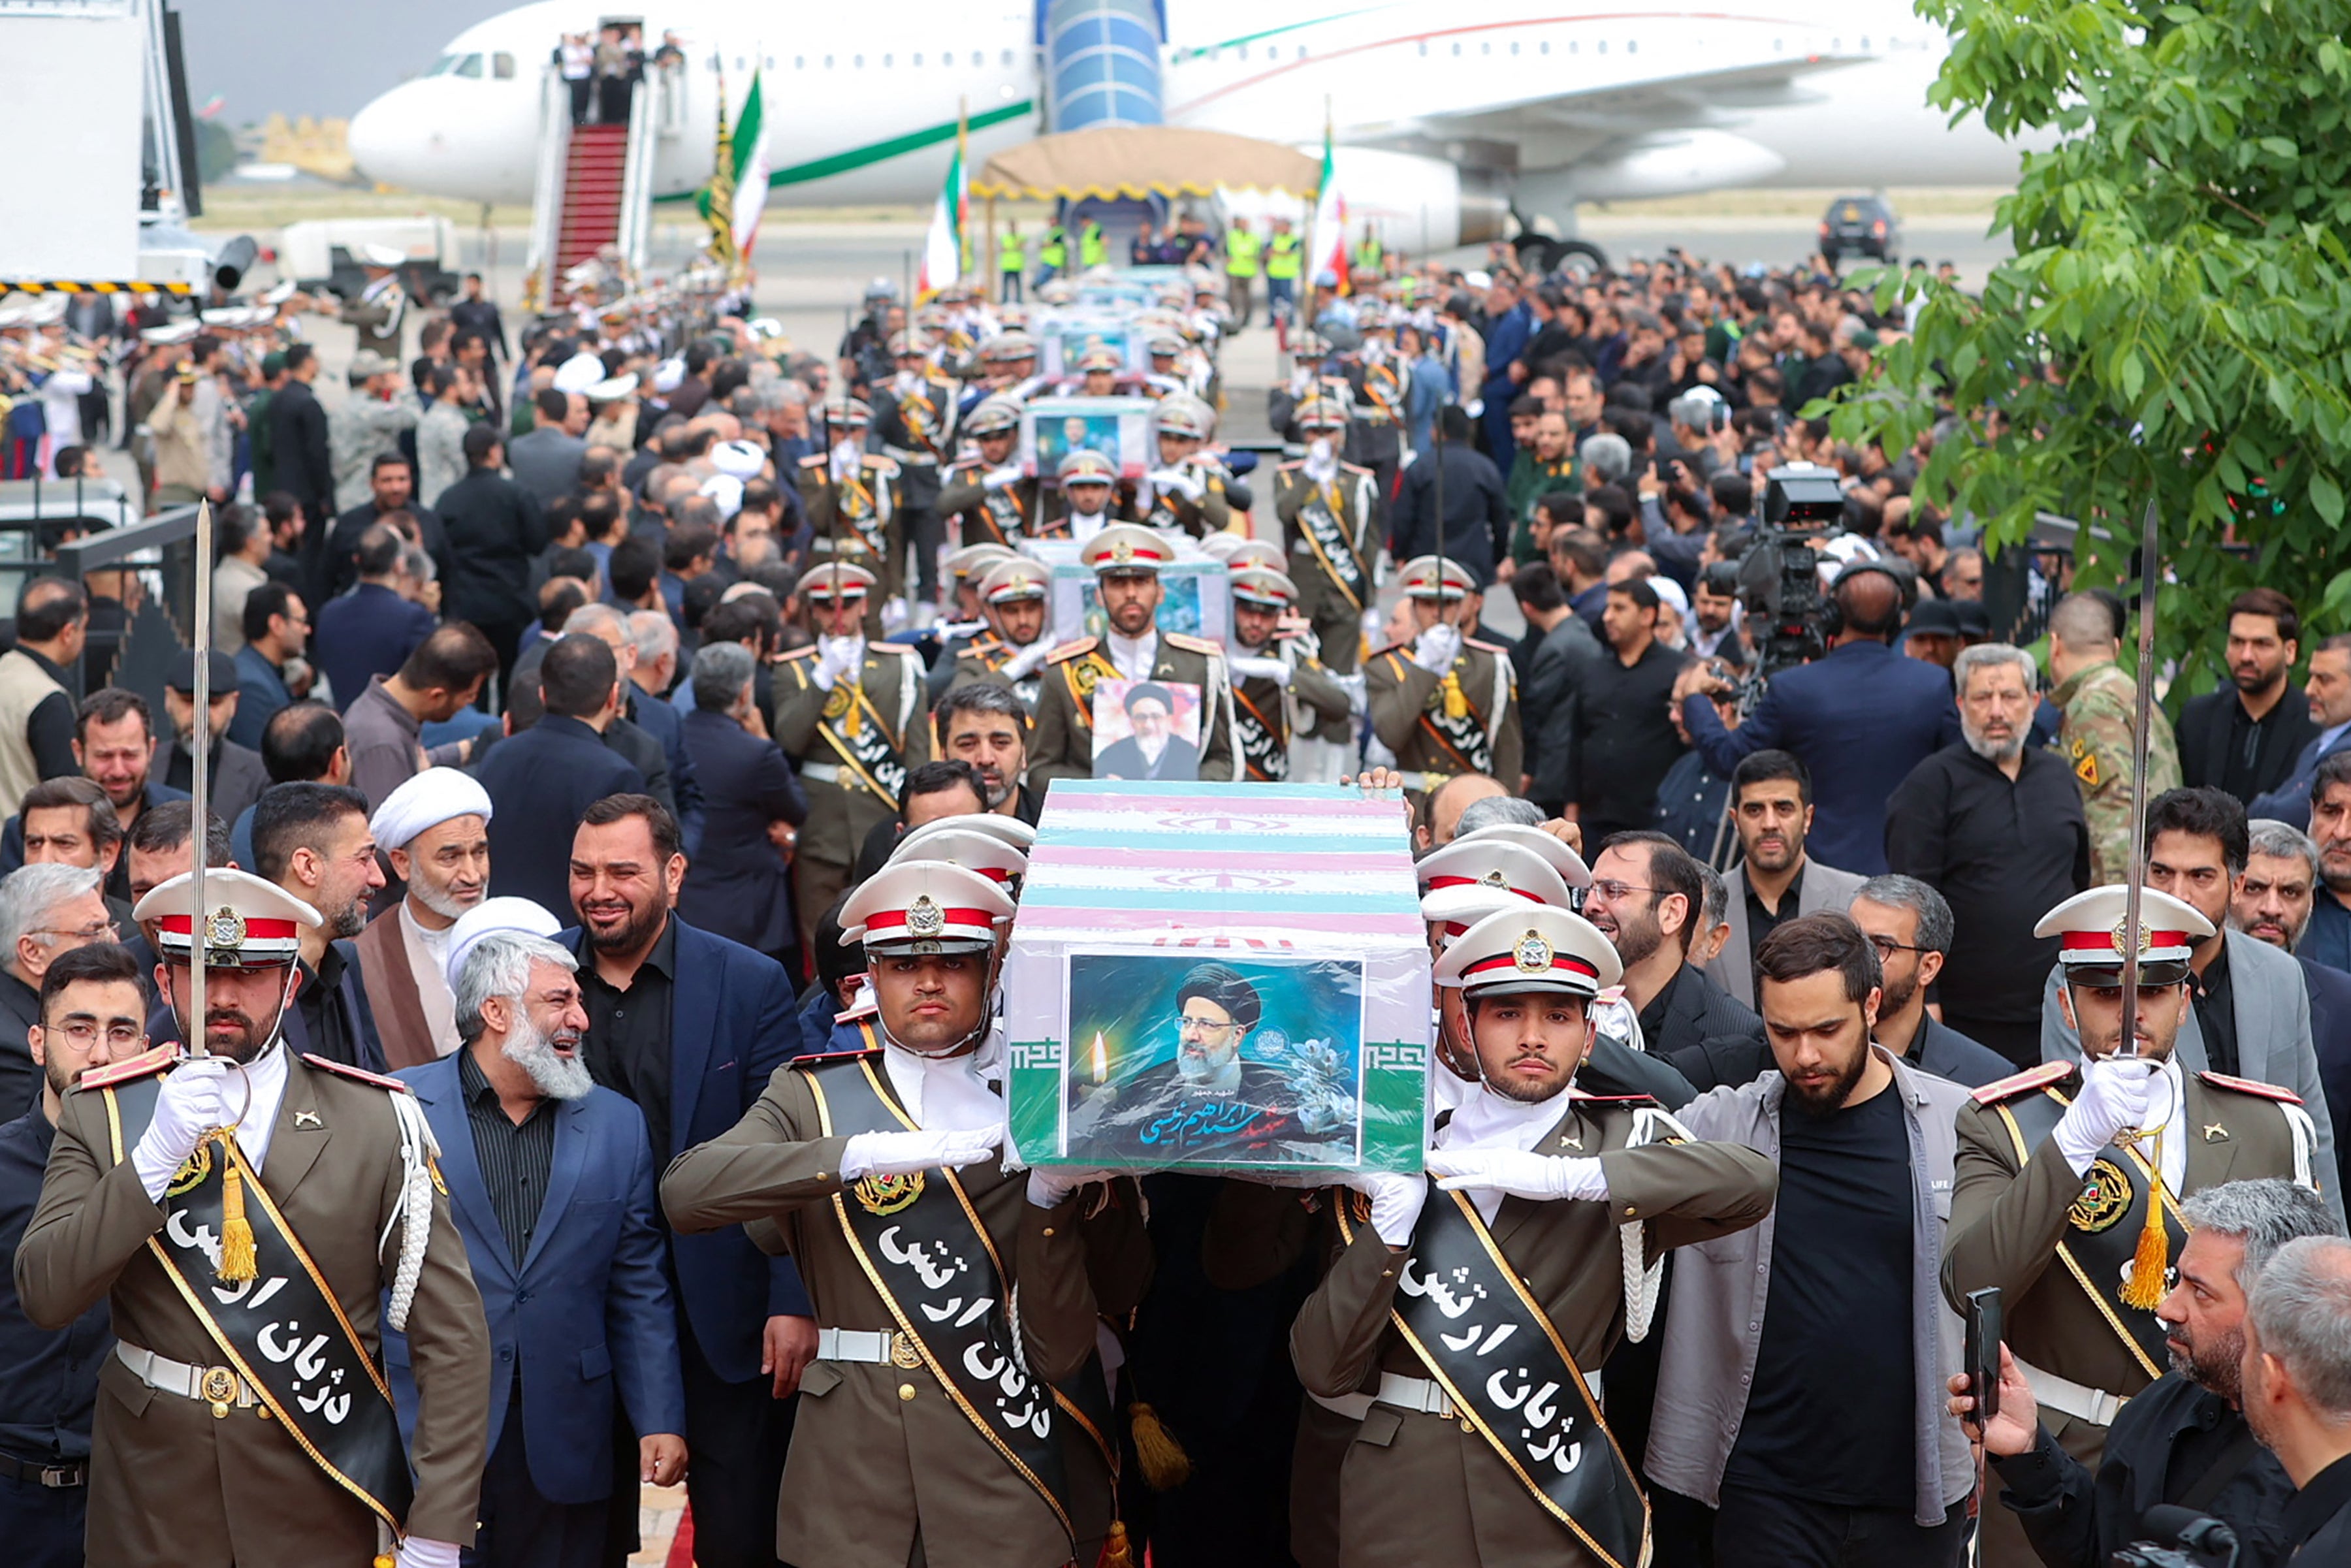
x=1996, y=755
x=438, y=902
x=532, y=1051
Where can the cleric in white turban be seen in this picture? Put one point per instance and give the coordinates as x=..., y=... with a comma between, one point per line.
x=434, y=829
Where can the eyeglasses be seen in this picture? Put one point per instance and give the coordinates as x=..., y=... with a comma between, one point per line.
x=1888, y=947
x=102, y=932
x=84, y=1034
x=1613, y=891
x=1199, y=1026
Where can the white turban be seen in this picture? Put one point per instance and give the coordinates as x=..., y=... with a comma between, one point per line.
x=489, y=916
x=579, y=372
x=428, y=801
x=727, y=491
x=737, y=459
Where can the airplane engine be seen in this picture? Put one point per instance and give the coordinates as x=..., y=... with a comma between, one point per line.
x=1420, y=205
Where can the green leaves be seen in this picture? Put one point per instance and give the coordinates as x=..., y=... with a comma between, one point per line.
x=2176, y=320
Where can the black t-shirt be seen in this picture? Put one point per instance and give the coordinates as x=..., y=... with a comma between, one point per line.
x=1830, y=1417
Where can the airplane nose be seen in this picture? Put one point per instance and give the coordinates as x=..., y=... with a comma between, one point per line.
x=376, y=137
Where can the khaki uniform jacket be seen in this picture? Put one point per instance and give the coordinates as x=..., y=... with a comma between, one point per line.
x=1358, y=512
x=964, y=497
x=1211, y=514
x=1062, y=745
x=821, y=500
x=1416, y=1489
x=843, y=809
x=1321, y=700
x=1400, y=691
x=2008, y=1218
x=165, y=1475
x=871, y=1464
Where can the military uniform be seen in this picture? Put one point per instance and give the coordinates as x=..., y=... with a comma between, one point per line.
x=861, y=522
x=1301, y=696
x=1332, y=534
x=2100, y=705
x=1467, y=722
x=381, y=306
x=913, y=413
x=854, y=744
x=1003, y=514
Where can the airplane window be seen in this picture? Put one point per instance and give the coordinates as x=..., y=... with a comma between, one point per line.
x=918, y=60
x=502, y=66
x=1486, y=46
x=1007, y=59
x=886, y=66
x=1302, y=51
x=1864, y=49
x=1543, y=48
x=1424, y=49
x=446, y=63
x=828, y=62
x=1514, y=49
x=1603, y=46
x=799, y=62
x=1457, y=51
x=471, y=66
x=857, y=61
x=1632, y=47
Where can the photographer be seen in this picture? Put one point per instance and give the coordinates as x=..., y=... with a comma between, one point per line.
x=2298, y=1390
x=2184, y=1440
x=1860, y=719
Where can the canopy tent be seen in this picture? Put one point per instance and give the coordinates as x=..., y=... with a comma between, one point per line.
x=1138, y=161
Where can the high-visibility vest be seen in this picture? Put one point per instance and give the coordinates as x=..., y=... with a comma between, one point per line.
x=1241, y=249
x=1369, y=252
x=1012, y=251
x=1055, y=252
x=1283, y=253
x=1094, y=245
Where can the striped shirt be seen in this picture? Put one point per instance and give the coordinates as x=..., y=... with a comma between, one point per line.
x=516, y=1159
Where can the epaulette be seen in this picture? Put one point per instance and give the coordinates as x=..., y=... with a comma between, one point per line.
x=2031, y=1078
x=1195, y=645
x=1488, y=647
x=2248, y=1086
x=1072, y=649
x=816, y=459
x=807, y=653
x=817, y=1058
x=1581, y=1098
x=1404, y=648
x=138, y=1066
x=864, y=1010
x=356, y=1074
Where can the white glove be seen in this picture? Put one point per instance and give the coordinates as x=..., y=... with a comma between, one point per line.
x=1435, y=649
x=193, y=1101
x=418, y=1553
x=1322, y=460
x=1049, y=1187
x=1542, y=1177
x=948, y=631
x=902, y=1154
x=1178, y=482
x=1001, y=478
x=2116, y=1092
x=1248, y=669
x=1022, y=664
x=1396, y=1202
x=836, y=656
x=846, y=461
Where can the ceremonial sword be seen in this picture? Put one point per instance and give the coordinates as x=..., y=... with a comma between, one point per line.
x=2149, y=575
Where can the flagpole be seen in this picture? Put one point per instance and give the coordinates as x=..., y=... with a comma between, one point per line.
x=963, y=184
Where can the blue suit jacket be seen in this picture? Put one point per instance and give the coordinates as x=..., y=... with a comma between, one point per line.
x=737, y=885
x=542, y=781
x=588, y=1314
x=733, y=1021
x=260, y=692
x=2289, y=802
x=1860, y=719
x=665, y=724
x=371, y=630
x=2330, y=1037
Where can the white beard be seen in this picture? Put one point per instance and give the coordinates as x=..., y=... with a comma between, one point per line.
x=557, y=1078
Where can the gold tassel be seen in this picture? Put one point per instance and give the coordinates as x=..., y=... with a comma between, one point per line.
x=1115, y=1552
x=237, y=1263
x=1457, y=701
x=848, y=721
x=1164, y=1463
x=2150, y=1262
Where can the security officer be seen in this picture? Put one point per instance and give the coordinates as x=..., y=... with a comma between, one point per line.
x=1278, y=685
x=991, y=499
x=1186, y=491
x=2099, y=702
x=185, y=1190
x=2060, y=1168
x=854, y=501
x=849, y=712
x=1285, y=256
x=1089, y=500
x=1094, y=245
x=1547, y=1206
x=1371, y=256
x=1053, y=254
x=879, y=1171
x=1242, y=250
x=1444, y=704
x=1011, y=262
x=1329, y=514
x=1013, y=648
x=913, y=413
x=1126, y=562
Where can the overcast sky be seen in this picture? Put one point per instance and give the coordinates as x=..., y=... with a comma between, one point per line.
x=324, y=58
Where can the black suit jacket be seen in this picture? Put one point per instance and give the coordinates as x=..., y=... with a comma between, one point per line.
x=1710, y=1036
x=540, y=783
x=298, y=436
x=736, y=886
x=2330, y=1036
x=495, y=527
x=2203, y=736
x=343, y=542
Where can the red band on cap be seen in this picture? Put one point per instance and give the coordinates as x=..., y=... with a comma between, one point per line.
x=254, y=930
x=891, y=920
x=1436, y=881
x=2103, y=941
x=1510, y=960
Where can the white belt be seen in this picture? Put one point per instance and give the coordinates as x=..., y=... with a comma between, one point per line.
x=1353, y=1406
x=867, y=1347
x=823, y=773
x=218, y=1386
x=2078, y=1400
x=1423, y=1395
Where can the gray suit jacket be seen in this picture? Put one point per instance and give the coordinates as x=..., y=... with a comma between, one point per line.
x=2274, y=1043
x=1824, y=887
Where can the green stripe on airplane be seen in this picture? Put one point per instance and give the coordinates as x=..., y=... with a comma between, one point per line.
x=1194, y=54
x=879, y=151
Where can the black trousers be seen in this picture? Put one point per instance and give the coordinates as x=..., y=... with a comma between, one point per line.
x=1757, y=1529
x=42, y=1525
x=520, y=1527
x=736, y=1437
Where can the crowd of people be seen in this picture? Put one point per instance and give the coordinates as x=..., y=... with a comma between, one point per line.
x=626, y=738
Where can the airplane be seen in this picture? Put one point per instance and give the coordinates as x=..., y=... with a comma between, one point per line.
x=1446, y=127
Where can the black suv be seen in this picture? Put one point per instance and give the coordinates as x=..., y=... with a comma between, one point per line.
x=1859, y=226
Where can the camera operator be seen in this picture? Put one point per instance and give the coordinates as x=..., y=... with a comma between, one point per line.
x=1860, y=717
x=2298, y=1390
x=2184, y=1440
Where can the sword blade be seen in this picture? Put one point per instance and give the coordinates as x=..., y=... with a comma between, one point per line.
x=2150, y=575
x=200, y=793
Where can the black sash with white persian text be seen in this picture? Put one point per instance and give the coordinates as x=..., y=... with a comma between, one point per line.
x=1332, y=547
x=855, y=730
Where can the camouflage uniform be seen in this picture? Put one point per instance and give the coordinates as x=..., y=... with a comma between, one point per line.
x=2094, y=740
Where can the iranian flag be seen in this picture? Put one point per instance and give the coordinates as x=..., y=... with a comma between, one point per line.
x=1327, y=246
x=751, y=168
x=943, y=250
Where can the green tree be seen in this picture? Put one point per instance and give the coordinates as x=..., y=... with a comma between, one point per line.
x=2176, y=320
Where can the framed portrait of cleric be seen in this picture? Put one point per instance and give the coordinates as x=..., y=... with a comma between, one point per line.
x=1117, y=427
x=1205, y=1058
x=1146, y=729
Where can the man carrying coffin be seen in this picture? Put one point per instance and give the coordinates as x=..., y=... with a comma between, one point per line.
x=253, y=1219
x=1467, y=1313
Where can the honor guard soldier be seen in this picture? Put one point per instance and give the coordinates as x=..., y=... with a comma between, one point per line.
x=1279, y=687
x=853, y=500
x=1126, y=561
x=1375, y=434
x=992, y=501
x=970, y=623
x=913, y=413
x=1186, y=491
x=1098, y=369
x=1444, y=704
x=2069, y=1177
x=938, y=1418
x=254, y=1217
x=1014, y=647
x=1467, y=1312
x=849, y=711
x=1011, y=360
x=1089, y=499
x=383, y=304
x=1330, y=512
x=965, y=568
